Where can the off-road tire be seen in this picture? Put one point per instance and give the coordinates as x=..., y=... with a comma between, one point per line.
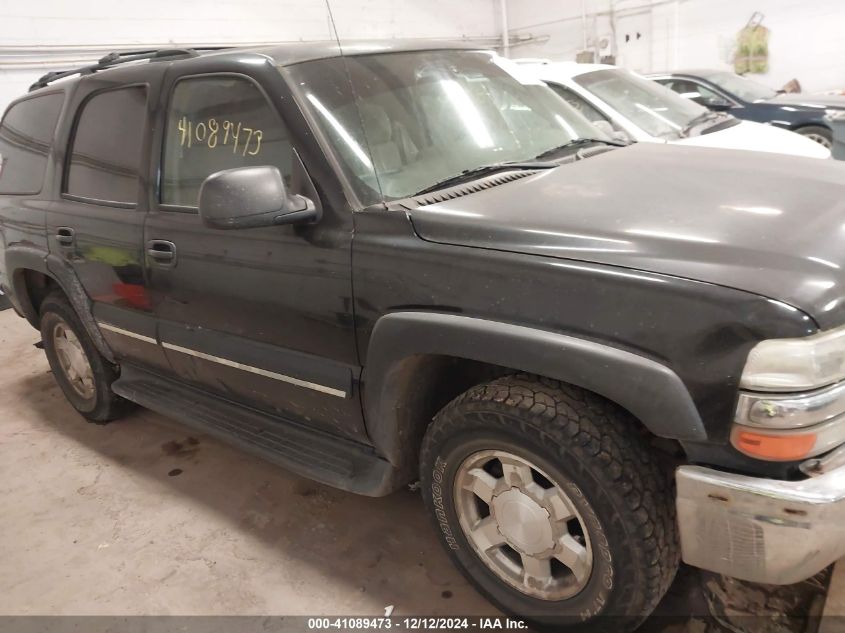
x=105, y=405
x=599, y=454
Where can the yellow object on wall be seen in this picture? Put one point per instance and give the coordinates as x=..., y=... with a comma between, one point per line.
x=752, y=51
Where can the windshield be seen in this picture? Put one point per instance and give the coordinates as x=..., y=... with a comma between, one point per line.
x=422, y=117
x=743, y=88
x=648, y=105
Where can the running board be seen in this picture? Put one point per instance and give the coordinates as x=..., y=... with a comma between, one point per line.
x=329, y=459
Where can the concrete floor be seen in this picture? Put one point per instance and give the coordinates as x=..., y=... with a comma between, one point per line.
x=143, y=516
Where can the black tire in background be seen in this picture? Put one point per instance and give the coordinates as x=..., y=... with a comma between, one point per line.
x=595, y=452
x=818, y=133
x=103, y=405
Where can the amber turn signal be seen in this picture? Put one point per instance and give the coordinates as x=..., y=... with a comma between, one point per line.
x=782, y=448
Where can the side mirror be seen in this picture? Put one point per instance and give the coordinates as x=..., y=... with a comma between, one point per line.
x=605, y=127
x=251, y=197
x=719, y=104
x=621, y=137
x=617, y=135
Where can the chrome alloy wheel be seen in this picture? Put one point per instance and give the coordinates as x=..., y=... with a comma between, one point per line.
x=73, y=361
x=523, y=525
x=821, y=140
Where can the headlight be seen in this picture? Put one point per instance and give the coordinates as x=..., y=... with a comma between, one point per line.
x=793, y=401
x=790, y=410
x=833, y=114
x=796, y=364
x=789, y=426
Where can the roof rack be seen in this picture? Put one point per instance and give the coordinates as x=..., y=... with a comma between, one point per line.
x=115, y=58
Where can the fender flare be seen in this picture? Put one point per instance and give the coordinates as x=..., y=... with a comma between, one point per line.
x=20, y=258
x=649, y=390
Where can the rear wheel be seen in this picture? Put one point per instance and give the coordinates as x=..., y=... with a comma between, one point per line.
x=83, y=374
x=550, y=502
x=821, y=135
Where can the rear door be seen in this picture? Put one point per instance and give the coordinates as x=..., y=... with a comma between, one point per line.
x=96, y=225
x=262, y=317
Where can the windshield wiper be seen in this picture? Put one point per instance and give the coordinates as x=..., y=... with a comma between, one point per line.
x=698, y=120
x=476, y=172
x=578, y=142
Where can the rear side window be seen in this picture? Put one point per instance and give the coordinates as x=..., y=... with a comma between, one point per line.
x=216, y=123
x=105, y=153
x=25, y=136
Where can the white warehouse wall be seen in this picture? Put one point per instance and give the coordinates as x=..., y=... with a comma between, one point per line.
x=805, y=43
x=553, y=30
x=805, y=40
x=36, y=37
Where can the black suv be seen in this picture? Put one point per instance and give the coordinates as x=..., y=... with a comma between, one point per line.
x=404, y=263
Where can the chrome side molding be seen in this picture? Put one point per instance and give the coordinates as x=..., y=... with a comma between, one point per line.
x=228, y=362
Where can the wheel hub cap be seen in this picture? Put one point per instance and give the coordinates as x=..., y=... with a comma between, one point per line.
x=522, y=525
x=73, y=361
x=523, y=522
x=821, y=140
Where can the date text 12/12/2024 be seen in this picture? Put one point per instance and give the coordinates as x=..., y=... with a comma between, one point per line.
x=415, y=623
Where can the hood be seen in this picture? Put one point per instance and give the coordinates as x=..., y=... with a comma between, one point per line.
x=809, y=101
x=764, y=223
x=761, y=138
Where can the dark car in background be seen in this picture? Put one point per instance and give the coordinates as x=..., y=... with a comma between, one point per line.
x=746, y=99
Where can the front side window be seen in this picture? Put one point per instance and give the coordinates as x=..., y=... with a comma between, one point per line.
x=105, y=152
x=401, y=122
x=689, y=89
x=25, y=135
x=692, y=91
x=647, y=104
x=216, y=123
x=743, y=88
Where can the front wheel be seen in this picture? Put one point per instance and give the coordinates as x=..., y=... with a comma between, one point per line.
x=821, y=135
x=550, y=502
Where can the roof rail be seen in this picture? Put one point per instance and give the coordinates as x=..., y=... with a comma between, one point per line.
x=115, y=58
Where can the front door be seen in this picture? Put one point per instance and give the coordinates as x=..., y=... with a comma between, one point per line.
x=258, y=316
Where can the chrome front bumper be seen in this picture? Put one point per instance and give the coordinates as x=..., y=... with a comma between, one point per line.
x=761, y=530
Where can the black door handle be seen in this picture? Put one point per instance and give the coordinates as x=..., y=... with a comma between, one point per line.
x=64, y=236
x=162, y=251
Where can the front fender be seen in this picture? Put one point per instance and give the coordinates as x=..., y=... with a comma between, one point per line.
x=649, y=390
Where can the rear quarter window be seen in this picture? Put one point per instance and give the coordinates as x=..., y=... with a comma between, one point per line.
x=26, y=134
